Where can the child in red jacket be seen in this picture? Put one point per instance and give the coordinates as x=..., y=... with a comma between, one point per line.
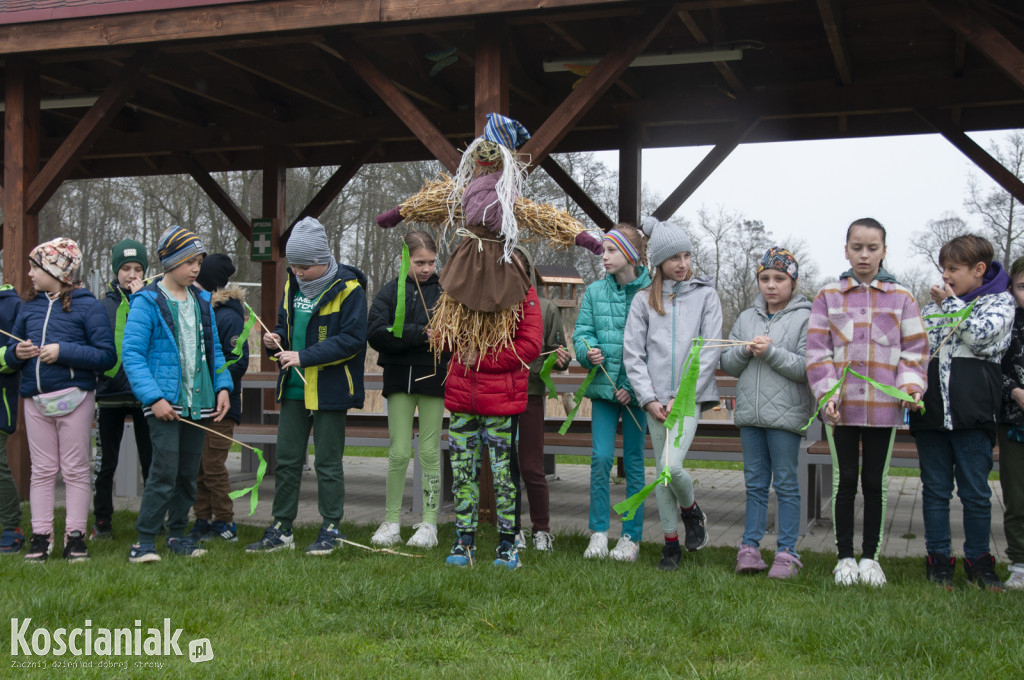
x=484, y=393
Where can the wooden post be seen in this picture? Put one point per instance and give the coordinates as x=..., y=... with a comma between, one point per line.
x=20, y=228
x=272, y=272
x=630, y=155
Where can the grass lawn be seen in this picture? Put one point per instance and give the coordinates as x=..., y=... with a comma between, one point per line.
x=362, y=615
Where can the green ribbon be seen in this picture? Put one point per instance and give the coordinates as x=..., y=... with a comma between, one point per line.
x=628, y=507
x=888, y=390
x=240, y=343
x=685, y=403
x=545, y=375
x=122, y=318
x=959, y=316
x=255, y=488
x=403, y=276
x=578, y=397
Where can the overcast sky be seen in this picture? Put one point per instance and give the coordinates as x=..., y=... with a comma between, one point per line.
x=813, y=190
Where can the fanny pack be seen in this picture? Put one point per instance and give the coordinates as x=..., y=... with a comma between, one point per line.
x=61, y=402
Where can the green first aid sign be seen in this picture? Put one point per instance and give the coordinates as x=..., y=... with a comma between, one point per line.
x=262, y=229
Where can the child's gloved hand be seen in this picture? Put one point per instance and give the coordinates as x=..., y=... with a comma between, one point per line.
x=587, y=240
x=390, y=218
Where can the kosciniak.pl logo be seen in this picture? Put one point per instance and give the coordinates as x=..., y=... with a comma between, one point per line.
x=88, y=641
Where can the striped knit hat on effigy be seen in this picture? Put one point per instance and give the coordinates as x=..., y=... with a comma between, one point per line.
x=176, y=246
x=60, y=258
x=505, y=131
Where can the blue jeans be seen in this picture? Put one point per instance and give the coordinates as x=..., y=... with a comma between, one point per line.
x=770, y=454
x=964, y=456
x=604, y=421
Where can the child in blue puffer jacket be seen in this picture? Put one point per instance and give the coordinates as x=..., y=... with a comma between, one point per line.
x=598, y=341
x=67, y=343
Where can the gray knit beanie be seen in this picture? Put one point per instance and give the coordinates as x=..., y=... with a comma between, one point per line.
x=307, y=244
x=664, y=239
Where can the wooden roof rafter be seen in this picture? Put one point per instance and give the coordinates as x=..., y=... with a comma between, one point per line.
x=728, y=72
x=832, y=19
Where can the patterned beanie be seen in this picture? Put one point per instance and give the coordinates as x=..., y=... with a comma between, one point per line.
x=780, y=259
x=502, y=130
x=665, y=239
x=127, y=251
x=60, y=258
x=176, y=246
x=307, y=244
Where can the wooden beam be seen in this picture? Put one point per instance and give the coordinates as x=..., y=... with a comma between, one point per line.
x=727, y=71
x=982, y=36
x=992, y=167
x=586, y=94
x=491, y=73
x=272, y=272
x=413, y=118
x=219, y=92
x=704, y=169
x=93, y=123
x=630, y=178
x=576, y=193
x=334, y=185
x=216, y=193
x=832, y=19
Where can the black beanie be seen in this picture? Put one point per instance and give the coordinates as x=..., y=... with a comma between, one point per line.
x=215, y=272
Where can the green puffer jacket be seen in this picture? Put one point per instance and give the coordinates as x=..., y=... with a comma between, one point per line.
x=602, y=322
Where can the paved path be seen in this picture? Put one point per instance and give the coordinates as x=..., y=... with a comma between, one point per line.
x=719, y=492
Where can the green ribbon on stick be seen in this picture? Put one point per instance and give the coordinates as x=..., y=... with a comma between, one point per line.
x=122, y=318
x=255, y=488
x=578, y=397
x=545, y=375
x=888, y=390
x=628, y=507
x=685, y=403
x=959, y=316
x=243, y=337
x=403, y=276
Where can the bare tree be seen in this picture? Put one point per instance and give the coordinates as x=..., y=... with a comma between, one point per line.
x=928, y=242
x=1001, y=215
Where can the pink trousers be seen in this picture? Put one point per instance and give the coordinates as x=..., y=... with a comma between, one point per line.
x=60, y=444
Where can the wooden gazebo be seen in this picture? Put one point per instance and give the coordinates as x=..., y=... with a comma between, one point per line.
x=105, y=88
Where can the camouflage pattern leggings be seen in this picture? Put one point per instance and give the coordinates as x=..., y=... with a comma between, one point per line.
x=467, y=435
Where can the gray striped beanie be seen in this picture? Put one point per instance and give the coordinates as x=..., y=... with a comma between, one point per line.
x=307, y=244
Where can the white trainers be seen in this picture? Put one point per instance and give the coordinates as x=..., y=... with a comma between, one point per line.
x=871, y=573
x=1016, y=580
x=598, y=547
x=425, y=536
x=389, y=534
x=846, y=572
x=625, y=550
x=520, y=542
x=543, y=541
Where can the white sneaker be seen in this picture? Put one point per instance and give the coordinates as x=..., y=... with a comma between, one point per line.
x=871, y=573
x=543, y=541
x=388, y=534
x=625, y=550
x=1016, y=580
x=598, y=547
x=520, y=541
x=846, y=572
x=425, y=536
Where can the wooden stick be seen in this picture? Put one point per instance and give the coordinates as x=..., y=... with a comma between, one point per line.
x=12, y=336
x=614, y=386
x=267, y=331
x=946, y=339
x=416, y=280
x=380, y=550
x=219, y=434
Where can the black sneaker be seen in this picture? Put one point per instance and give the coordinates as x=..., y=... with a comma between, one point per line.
x=694, y=521
x=200, y=530
x=102, y=530
x=74, y=547
x=670, y=556
x=38, y=548
x=981, y=572
x=940, y=569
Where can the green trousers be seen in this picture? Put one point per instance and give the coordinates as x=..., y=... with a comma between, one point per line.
x=401, y=410
x=294, y=425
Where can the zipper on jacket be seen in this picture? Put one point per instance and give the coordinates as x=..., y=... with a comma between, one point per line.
x=46, y=322
x=409, y=388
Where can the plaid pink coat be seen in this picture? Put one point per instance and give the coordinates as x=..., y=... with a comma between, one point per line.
x=878, y=330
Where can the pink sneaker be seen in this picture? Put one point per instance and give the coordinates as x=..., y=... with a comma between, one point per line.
x=786, y=565
x=748, y=560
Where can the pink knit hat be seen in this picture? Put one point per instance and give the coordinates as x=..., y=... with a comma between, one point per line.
x=60, y=258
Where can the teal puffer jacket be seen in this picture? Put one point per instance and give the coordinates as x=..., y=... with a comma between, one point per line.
x=602, y=322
